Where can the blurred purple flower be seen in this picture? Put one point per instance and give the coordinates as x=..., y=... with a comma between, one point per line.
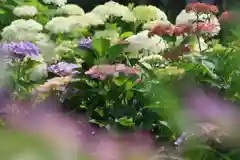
x=22, y=49
x=63, y=68
x=85, y=43
x=181, y=139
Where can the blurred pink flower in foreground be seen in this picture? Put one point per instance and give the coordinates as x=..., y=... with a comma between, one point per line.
x=105, y=70
x=208, y=114
x=70, y=138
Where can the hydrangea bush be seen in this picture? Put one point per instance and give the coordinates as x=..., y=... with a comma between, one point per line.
x=118, y=65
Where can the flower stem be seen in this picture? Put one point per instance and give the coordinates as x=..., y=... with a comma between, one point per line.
x=198, y=37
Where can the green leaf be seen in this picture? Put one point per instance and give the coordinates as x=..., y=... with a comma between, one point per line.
x=126, y=35
x=111, y=26
x=129, y=85
x=115, y=50
x=2, y=11
x=129, y=95
x=126, y=121
x=119, y=81
x=209, y=66
x=101, y=46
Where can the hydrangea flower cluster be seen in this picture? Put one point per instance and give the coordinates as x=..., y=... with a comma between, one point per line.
x=21, y=30
x=155, y=57
x=87, y=20
x=67, y=25
x=162, y=30
x=142, y=41
x=191, y=17
x=151, y=24
x=105, y=70
x=70, y=9
x=63, y=68
x=23, y=49
x=149, y=13
x=25, y=11
x=114, y=9
x=54, y=84
x=147, y=61
x=55, y=2
x=65, y=47
x=85, y=43
x=201, y=8
x=167, y=29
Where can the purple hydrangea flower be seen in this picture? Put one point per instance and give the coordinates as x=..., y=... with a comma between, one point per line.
x=63, y=68
x=181, y=139
x=85, y=43
x=22, y=49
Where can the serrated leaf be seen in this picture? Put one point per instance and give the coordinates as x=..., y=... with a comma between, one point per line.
x=101, y=46
x=115, y=50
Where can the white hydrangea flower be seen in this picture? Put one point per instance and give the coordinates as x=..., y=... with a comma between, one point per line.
x=21, y=30
x=25, y=11
x=55, y=2
x=30, y=25
x=114, y=9
x=149, y=13
x=191, y=17
x=61, y=25
x=87, y=20
x=42, y=37
x=151, y=24
x=141, y=41
x=70, y=9
x=155, y=57
x=147, y=61
x=65, y=47
x=92, y=19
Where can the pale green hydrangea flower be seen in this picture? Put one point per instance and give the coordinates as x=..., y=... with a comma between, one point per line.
x=114, y=9
x=149, y=13
x=86, y=20
x=25, y=11
x=155, y=57
x=70, y=9
x=65, y=47
x=61, y=25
